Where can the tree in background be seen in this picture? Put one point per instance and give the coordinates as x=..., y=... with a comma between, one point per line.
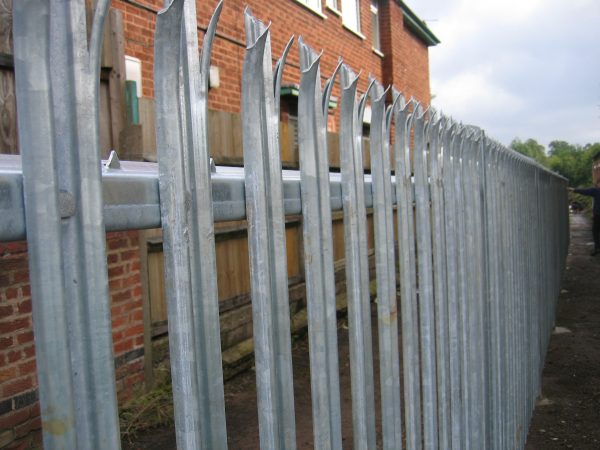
x=571, y=161
x=532, y=149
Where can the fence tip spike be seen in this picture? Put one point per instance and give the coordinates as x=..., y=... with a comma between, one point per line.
x=396, y=96
x=288, y=46
x=348, y=77
x=338, y=66
x=218, y=8
x=377, y=88
x=370, y=86
x=329, y=87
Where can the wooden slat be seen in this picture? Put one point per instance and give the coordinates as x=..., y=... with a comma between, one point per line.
x=156, y=284
x=224, y=138
x=288, y=139
x=8, y=114
x=6, y=27
x=232, y=267
x=8, y=108
x=147, y=121
x=116, y=81
x=295, y=259
x=106, y=141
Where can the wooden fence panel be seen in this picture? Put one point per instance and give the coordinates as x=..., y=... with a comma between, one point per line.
x=8, y=106
x=8, y=113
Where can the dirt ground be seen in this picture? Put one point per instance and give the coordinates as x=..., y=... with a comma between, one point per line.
x=240, y=403
x=567, y=415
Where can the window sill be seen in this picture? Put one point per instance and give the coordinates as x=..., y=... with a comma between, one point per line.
x=353, y=31
x=377, y=52
x=334, y=11
x=311, y=9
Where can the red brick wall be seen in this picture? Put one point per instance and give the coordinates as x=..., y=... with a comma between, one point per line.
x=407, y=68
x=19, y=406
x=405, y=63
x=125, y=286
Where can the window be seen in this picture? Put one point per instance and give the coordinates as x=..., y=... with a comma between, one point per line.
x=375, y=25
x=351, y=14
x=312, y=4
x=333, y=4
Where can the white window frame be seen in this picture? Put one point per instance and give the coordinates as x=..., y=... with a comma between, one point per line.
x=375, y=27
x=334, y=5
x=314, y=6
x=351, y=21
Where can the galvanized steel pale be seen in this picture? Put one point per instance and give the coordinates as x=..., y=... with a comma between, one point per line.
x=425, y=281
x=385, y=265
x=436, y=148
x=357, y=263
x=181, y=85
x=266, y=236
x=318, y=251
x=408, y=274
x=482, y=238
x=57, y=78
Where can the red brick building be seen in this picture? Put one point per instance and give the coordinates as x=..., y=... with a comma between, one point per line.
x=396, y=53
x=383, y=38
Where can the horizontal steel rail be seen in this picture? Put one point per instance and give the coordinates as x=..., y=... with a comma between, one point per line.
x=131, y=199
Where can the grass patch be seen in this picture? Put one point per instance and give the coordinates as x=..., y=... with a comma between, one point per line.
x=151, y=410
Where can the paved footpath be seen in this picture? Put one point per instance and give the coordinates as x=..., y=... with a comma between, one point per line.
x=567, y=414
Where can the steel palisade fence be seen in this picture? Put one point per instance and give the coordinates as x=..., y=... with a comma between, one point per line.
x=482, y=236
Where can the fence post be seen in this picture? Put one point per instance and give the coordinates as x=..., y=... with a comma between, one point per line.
x=57, y=75
x=451, y=141
x=475, y=273
x=425, y=280
x=318, y=251
x=492, y=190
x=266, y=236
x=357, y=263
x=385, y=264
x=436, y=166
x=181, y=81
x=408, y=273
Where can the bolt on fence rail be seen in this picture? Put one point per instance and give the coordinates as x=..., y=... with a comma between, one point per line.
x=482, y=235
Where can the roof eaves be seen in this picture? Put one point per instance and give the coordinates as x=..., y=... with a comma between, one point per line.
x=418, y=26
